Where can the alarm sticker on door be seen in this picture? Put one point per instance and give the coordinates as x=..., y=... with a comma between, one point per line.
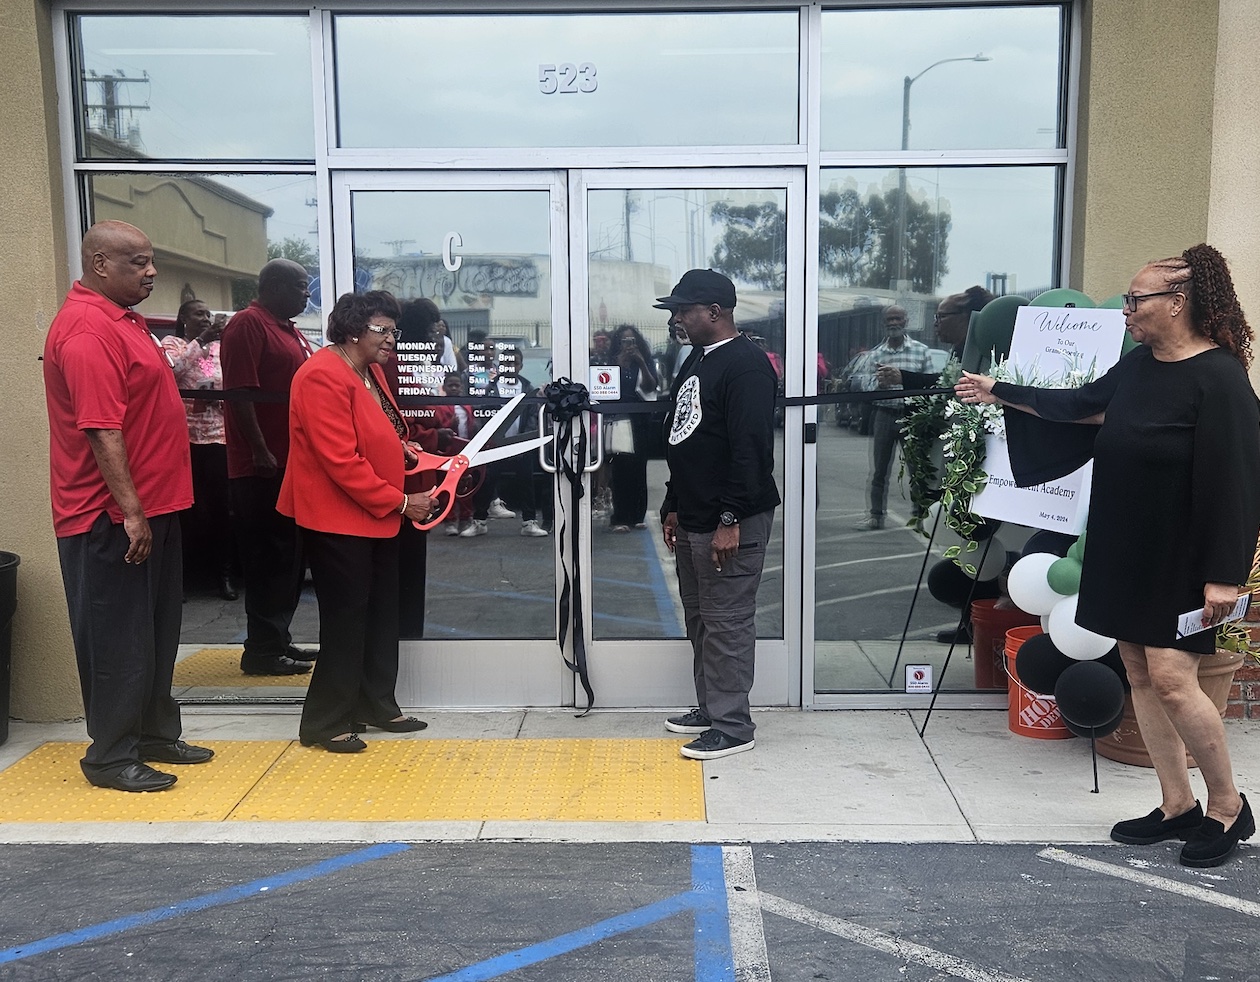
x=605, y=383
x=918, y=678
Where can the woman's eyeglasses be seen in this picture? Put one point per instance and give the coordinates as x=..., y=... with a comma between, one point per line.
x=1131, y=300
x=391, y=332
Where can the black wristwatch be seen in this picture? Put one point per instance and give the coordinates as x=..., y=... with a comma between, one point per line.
x=728, y=519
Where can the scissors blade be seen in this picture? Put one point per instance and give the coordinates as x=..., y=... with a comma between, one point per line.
x=493, y=425
x=511, y=450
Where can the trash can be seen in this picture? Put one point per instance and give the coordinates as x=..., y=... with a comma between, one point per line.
x=8, y=605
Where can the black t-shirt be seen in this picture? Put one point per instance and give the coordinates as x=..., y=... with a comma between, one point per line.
x=721, y=438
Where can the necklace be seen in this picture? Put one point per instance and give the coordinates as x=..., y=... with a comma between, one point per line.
x=367, y=381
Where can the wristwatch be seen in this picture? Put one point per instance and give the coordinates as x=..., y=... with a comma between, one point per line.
x=728, y=518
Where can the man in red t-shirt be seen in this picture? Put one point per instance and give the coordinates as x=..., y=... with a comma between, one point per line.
x=120, y=474
x=261, y=351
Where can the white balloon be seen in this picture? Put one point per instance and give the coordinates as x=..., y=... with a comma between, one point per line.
x=1045, y=623
x=1027, y=584
x=1072, y=639
x=993, y=563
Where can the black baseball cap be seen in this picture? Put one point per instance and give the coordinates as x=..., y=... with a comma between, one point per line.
x=704, y=286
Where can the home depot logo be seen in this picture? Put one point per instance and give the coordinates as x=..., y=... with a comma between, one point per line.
x=1039, y=713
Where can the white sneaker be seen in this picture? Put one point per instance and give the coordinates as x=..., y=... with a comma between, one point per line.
x=452, y=528
x=532, y=528
x=498, y=509
x=475, y=527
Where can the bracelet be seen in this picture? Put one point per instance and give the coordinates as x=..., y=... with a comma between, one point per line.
x=406, y=502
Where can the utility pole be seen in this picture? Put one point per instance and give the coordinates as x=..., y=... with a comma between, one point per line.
x=110, y=116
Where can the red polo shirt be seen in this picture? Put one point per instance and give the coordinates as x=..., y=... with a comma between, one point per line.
x=260, y=351
x=103, y=370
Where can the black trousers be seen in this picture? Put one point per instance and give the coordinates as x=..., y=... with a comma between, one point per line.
x=125, y=622
x=413, y=561
x=629, y=488
x=356, y=584
x=271, y=560
x=207, y=525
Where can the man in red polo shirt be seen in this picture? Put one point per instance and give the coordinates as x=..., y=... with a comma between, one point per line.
x=261, y=351
x=120, y=473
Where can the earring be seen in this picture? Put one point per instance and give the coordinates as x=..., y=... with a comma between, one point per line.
x=355, y=340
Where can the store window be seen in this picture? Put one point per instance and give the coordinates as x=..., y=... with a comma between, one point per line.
x=568, y=80
x=948, y=79
x=194, y=87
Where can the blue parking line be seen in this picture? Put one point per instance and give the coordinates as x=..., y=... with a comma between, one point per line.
x=217, y=899
x=665, y=610
x=706, y=899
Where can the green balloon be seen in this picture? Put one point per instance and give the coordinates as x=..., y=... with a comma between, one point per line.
x=1077, y=549
x=1062, y=298
x=995, y=323
x=1064, y=577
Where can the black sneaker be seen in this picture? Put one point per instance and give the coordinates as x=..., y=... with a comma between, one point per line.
x=1211, y=843
x=712, y=744
x=273, y=665
x=693, y=722
x=1155, y=828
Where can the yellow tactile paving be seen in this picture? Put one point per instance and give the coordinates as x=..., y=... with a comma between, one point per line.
x=47, y=786
x=473, y=780
x=393, y=781
x=220, y=668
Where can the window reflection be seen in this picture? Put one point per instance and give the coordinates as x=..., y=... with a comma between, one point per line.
x=212, y=233
x=195, y=87
x=1011, y=100
x=674, y=79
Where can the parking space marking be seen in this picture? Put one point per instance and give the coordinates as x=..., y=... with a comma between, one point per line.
x=743, y=903
x=706, y=899
x=878, y=940
x=1248, y=907
x=217, y=899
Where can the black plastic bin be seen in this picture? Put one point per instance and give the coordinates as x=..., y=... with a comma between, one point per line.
x=8, y=605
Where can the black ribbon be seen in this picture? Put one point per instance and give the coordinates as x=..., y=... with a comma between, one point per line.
x=565, y=402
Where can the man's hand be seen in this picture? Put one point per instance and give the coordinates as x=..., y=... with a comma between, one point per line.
x=265, y=463
x=141, y=536
x=725, y=545
x=886, y=376
x=669, y=530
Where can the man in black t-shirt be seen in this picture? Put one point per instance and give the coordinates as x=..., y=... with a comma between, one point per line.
x=719, y=506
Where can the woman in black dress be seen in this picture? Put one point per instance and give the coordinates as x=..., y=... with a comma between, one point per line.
x=632, y=355
x=1173, y=519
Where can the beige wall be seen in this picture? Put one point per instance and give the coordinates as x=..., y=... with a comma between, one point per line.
x=1145, y=136
x=1234, y=201
x=33, y=279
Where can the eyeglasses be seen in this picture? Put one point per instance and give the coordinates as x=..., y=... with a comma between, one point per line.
x=391, y=332
x=1131, y=300
x=938, y=317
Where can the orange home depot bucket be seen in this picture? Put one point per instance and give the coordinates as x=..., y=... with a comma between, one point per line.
x=1029, y=713
x=988, y=630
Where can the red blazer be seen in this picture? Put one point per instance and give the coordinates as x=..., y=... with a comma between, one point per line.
x=345, y=470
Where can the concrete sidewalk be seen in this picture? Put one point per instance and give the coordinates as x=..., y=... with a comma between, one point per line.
x=814, y=776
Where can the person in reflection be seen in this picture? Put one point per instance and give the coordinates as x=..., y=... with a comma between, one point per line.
x=261, y=351
x=118, y=452
x=719, y=507
x=344, y=489
x=898, y=352
x=1172, y=523
x=194, y=353
x=639, y=382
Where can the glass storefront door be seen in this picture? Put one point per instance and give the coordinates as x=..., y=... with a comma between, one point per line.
x=549, y=275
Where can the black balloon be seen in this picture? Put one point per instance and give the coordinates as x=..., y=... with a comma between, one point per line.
x=1038, y=663
x=1098, y=732
x=949, y=584
x=1055, y=543
x=1089, y=694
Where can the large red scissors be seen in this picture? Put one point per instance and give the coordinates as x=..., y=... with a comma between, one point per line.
x=453, y=469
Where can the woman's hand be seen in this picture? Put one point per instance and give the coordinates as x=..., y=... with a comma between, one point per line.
x=420, y=507
x=1218, y=601
x=975, y=388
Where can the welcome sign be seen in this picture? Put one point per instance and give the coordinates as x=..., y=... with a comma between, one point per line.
x=1057, y=348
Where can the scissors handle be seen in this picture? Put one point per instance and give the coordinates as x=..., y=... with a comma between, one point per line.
x=443, y=494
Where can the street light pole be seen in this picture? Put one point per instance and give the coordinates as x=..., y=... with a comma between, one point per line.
x=905, y=145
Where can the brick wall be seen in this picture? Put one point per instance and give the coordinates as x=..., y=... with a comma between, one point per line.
x=1244, y=695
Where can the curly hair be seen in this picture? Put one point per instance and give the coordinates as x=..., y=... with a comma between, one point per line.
x=1202, y=274
x=972, y=298
x=351, y=313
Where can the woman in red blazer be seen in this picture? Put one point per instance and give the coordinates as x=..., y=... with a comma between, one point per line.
x=344, y=488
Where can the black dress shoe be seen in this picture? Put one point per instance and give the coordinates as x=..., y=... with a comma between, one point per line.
x=273, y=665
x=301, y=654
x=1211, y=843
x=348, y=745
x=1156, y=828
x=178, y=752
x=408, y=724
x=227, y=589
x=955, y=635
x=138, y=777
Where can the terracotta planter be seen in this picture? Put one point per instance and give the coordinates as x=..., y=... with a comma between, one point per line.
x=1216, y=675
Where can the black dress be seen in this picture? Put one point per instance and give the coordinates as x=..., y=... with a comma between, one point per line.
x=1175, y=501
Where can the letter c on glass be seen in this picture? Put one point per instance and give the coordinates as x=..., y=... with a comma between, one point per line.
x=450, y=261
